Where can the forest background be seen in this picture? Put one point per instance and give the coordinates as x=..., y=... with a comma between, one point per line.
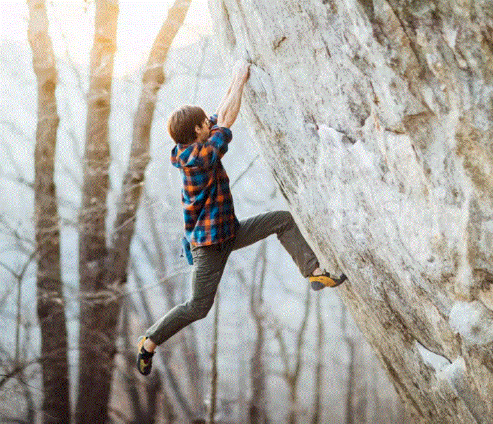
x=300, y=348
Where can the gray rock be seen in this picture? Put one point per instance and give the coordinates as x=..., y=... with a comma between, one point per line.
x=375, y=118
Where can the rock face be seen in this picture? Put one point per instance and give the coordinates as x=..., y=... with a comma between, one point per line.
x=376, y=120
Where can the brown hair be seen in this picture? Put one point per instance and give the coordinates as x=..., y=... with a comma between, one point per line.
x=181, y=123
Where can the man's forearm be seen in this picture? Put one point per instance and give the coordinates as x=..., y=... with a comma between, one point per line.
x=228, y=112
x=226, y=96
x=230, y=105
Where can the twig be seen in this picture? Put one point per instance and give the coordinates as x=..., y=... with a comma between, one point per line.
x=319, y=366
x=214, y=355
x=16, y=370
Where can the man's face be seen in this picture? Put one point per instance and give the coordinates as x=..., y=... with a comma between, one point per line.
x=203, y=131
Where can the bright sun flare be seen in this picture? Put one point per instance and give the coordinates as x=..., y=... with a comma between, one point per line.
x=71, y=28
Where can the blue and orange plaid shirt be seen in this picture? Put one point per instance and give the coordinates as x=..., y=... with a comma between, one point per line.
x=206, y=197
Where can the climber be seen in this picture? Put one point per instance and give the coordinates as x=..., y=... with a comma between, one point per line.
x=211, y=226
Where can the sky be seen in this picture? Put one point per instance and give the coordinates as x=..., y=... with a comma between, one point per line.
x=71, y=28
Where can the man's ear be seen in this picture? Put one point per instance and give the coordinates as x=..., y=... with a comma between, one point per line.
x=197, y=129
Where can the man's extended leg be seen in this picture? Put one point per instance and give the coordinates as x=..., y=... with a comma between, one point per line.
x=209, y=262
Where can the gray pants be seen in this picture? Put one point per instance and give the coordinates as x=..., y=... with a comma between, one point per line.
x=209, y=263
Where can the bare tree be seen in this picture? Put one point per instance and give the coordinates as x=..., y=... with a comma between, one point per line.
x=16, y=381
x=104, y=271
x=17, y=366
x=214, y=359
x=18, y=278
x=50, y=301
x=258, y=401
x=291, y=373
x=350, y=394
x=96, y=343
x=317, y=405
x=356, y=393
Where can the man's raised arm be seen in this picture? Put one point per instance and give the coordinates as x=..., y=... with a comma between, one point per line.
x=229, y=107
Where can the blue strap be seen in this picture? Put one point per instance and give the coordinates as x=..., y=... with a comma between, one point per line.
x=186, y=250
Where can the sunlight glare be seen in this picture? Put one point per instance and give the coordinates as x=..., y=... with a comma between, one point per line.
x=72, y=28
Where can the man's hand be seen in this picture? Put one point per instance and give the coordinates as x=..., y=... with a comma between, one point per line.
x=241, y=70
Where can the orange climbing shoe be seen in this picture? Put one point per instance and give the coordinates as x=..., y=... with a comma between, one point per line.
x=144, y=358
x=319, y=282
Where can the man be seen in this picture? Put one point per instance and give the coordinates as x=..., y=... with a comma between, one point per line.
x=211, y=226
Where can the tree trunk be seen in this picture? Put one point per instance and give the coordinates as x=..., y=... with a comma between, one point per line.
x=351, y=413
x=376, y=120
x=96, y=338
x=258, y=402
x=291, y=374
x=50, y=301
x=104, y=271
x=211, y=413
x=317, y=393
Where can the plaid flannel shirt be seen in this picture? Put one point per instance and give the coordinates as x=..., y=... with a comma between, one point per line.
x=206, y=196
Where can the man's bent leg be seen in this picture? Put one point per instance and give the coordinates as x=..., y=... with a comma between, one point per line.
x=209, y=262
x=281, y=223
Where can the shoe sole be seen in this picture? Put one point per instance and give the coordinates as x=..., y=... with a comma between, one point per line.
x=327, y=281
x=140, y=345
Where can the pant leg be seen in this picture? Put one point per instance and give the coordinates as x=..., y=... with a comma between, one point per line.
x=209, y=263
x=281, y=223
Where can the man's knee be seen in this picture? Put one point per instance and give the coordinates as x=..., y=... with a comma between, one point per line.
x=198, y=309
x=287, y=219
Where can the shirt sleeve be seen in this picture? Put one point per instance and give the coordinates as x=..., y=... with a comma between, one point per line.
x=217, y=144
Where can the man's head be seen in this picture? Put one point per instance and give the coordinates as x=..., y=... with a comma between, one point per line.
x=188, y=124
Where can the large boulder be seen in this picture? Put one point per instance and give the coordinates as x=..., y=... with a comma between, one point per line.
x=375, y=118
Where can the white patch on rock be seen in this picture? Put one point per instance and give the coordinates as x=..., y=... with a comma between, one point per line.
x=453, y=371
x=473, y=322
x=437, y=362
